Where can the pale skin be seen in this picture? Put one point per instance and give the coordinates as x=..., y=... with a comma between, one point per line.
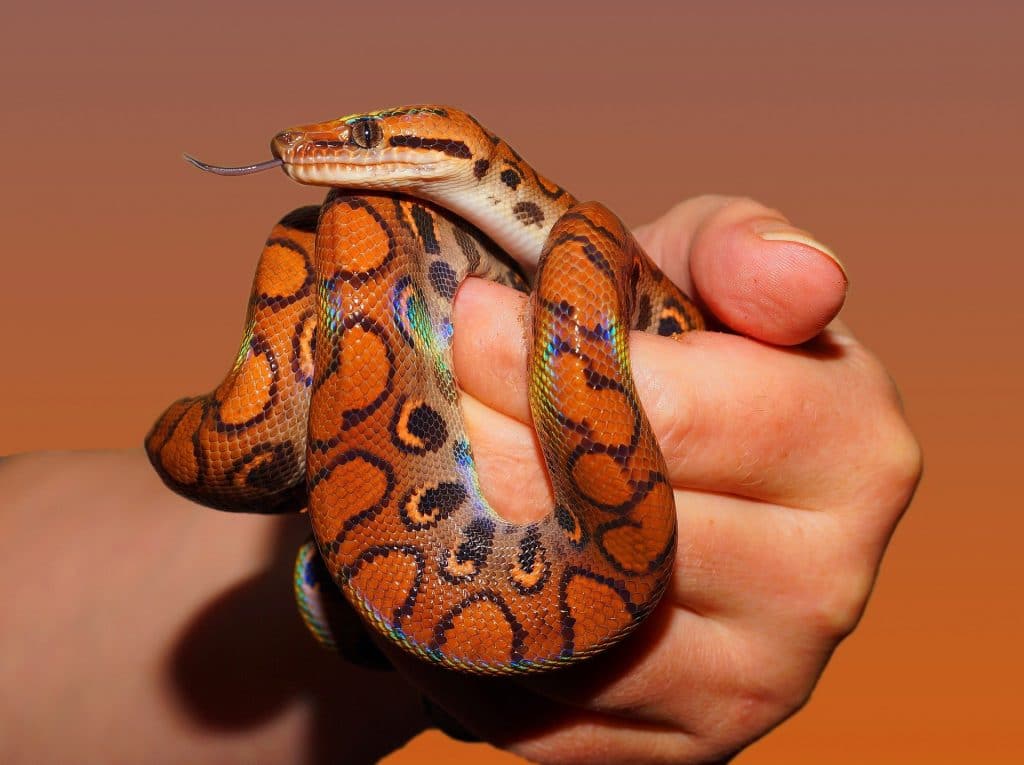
x=139, y=626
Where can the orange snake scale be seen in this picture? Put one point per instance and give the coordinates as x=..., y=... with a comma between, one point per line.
x=343, y=396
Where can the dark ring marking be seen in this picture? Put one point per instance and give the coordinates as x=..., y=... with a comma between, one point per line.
x=154, y=452
x=676, y=314
x=594, y=380
x=186, y=403
x=405, y=300
x=511, y=178
x=519, y=634
x=400, y=205
x=354, y=201
x=568, y=622
x=653, y=565
x=634, y=276
x=324, y=472
x=267, y=478
x=468, y=247
x=280, y=301
x=641, y=488
x=466, y=562
x=572, y=525
x=425, y=228
x=523, y=572
x=542, y=184
x=668, y=325
x=416, y=427
x=426, y=506
x=565, y=311
x=372, y=553
x=302, y=219
x=259, y=347
x=622, y=453
x=643, y=312
x=352, y=417
x=303, y=348
x=593, y=253
x=605, y=232
x=598, y=381
x=283, y=460
x=201, y=457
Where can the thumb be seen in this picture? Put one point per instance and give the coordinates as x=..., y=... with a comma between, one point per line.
x=752, y=269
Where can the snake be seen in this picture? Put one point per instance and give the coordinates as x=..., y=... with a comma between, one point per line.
x=343, y=398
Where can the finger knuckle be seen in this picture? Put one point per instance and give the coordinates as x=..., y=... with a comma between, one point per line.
x=677, y=424
x=736, y=208
x=763, y=695
x=838, y=602
x=893, y=466
x=702, y=202
x=904, y=462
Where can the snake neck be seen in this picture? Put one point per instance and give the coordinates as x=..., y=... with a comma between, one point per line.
x=505, y=198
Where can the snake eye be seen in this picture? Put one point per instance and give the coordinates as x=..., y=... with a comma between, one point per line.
x=366, y=133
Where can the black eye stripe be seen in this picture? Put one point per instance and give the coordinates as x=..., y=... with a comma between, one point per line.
x=366, y=133
x=449, y=146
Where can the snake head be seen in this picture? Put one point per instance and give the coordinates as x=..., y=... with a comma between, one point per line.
x=409, y=148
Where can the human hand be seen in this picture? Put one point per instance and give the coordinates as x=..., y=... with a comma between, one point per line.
x=790, y=465
x=791, y=468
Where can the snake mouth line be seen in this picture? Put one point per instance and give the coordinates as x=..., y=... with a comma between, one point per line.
x=377, y=168
x=312, y=167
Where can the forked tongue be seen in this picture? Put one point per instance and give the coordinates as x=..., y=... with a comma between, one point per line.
x=259, y=167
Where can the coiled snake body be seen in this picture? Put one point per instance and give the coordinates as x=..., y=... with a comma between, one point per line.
x=343, y=396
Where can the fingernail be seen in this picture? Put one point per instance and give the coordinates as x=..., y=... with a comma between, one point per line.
x=798, y=237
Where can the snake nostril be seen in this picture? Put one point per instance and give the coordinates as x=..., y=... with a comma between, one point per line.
x=282, y=141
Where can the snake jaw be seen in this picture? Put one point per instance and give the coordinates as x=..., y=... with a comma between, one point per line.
x=380, y=176
x=313, y=165
x=332, y=162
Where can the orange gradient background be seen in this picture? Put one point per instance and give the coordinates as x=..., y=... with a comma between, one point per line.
x=895, y=135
